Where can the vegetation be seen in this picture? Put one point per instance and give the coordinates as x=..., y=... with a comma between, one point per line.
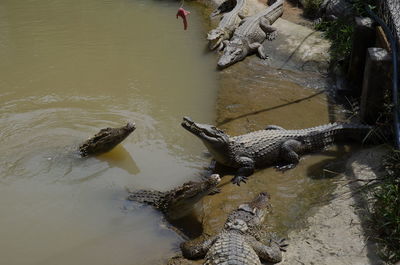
x=339, y=31
x=387, y=208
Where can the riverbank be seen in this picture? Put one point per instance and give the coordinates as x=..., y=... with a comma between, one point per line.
x=290, y=90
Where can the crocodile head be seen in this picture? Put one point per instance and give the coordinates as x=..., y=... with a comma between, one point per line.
x=215, y=38
x=179, y=202
x=250, y=214
x=234, y=51
x=106, y=139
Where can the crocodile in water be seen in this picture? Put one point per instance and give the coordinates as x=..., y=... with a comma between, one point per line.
x=250, y=35
x=177, y=202
x=270, y=146
x=105, y=140
x=226, y=26
x=239, y=242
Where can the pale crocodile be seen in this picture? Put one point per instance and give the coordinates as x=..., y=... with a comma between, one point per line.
x=177, y=202
x=250, y=35
x=270, y=146
x=105, y=140
x=229, y=22
x=240, y=241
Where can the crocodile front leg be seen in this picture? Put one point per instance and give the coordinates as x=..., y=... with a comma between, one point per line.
x=260, y=49
x=245, y=170
x=197, y=248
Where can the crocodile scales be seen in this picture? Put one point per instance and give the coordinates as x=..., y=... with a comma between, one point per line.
x=272, y=145
x=250, y=35
x=177, y=202
x=238, y=243
x=105, y=140
x=226, y=26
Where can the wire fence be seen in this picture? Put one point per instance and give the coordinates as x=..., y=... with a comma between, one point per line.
x=389, y=19
x=389, y=11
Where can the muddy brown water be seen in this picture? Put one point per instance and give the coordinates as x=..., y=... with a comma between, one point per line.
x=69, y=68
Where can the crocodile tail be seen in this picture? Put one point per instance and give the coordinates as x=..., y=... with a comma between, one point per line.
x=151, y=197
x=340, y=133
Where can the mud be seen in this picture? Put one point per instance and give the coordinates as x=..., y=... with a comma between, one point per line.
x=290, y=89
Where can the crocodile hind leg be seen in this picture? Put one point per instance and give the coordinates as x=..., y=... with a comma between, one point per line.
x=289, y=154
x=270, y=31
x=270, y=253
x=274, y=127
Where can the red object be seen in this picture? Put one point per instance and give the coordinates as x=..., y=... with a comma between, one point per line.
x=183, y=14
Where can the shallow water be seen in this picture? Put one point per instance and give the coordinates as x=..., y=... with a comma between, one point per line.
x=68, y=69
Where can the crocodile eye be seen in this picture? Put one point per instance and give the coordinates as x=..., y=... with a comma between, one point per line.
x=238, y=51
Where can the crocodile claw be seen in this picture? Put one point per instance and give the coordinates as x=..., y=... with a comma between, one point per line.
x=238, y=179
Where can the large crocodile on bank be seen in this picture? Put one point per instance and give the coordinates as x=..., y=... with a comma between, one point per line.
x=270, y=146
x=250, y=35
x=105, y=140
x=240, y=241
x=226, y=26
x=177, y=202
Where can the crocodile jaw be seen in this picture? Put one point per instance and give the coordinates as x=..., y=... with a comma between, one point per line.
x=183, y=203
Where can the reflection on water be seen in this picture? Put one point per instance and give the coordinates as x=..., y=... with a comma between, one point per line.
x=68, y=69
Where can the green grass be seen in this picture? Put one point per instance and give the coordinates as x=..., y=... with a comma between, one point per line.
x=386, y=219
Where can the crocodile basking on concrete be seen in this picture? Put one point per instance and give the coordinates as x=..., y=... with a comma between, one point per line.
x=177, y=202
x=270, y=146
x=105, y=140
x=226, y=26
x=240, y=241
x=250, y=35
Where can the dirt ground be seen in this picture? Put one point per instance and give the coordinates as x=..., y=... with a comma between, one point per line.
x=283, y=90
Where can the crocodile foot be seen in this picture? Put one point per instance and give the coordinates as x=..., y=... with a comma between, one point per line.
x=272, y=35
x=238, y=179
x=282, y=244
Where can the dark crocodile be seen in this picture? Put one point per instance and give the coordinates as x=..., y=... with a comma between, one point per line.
x=240, y=241
x=250, y=35
x=105, y=140
x=224, y=7
x=270, y=146
x=334, y=9
x=177, y=202
x=229, y=22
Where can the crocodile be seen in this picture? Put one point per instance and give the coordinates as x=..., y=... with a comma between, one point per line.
x=250, y=34
x=226, y=26
x=271, y=146
x=335, y=9
x=224, y=7
x=177, y=202
x=105, y=140
x=241, y=239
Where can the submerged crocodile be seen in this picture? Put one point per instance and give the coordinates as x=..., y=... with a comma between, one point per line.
x=270, y=146
x=226, y=26
x=239, y=242
x=105, y=140
x=250, y=35
x=177, y=202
